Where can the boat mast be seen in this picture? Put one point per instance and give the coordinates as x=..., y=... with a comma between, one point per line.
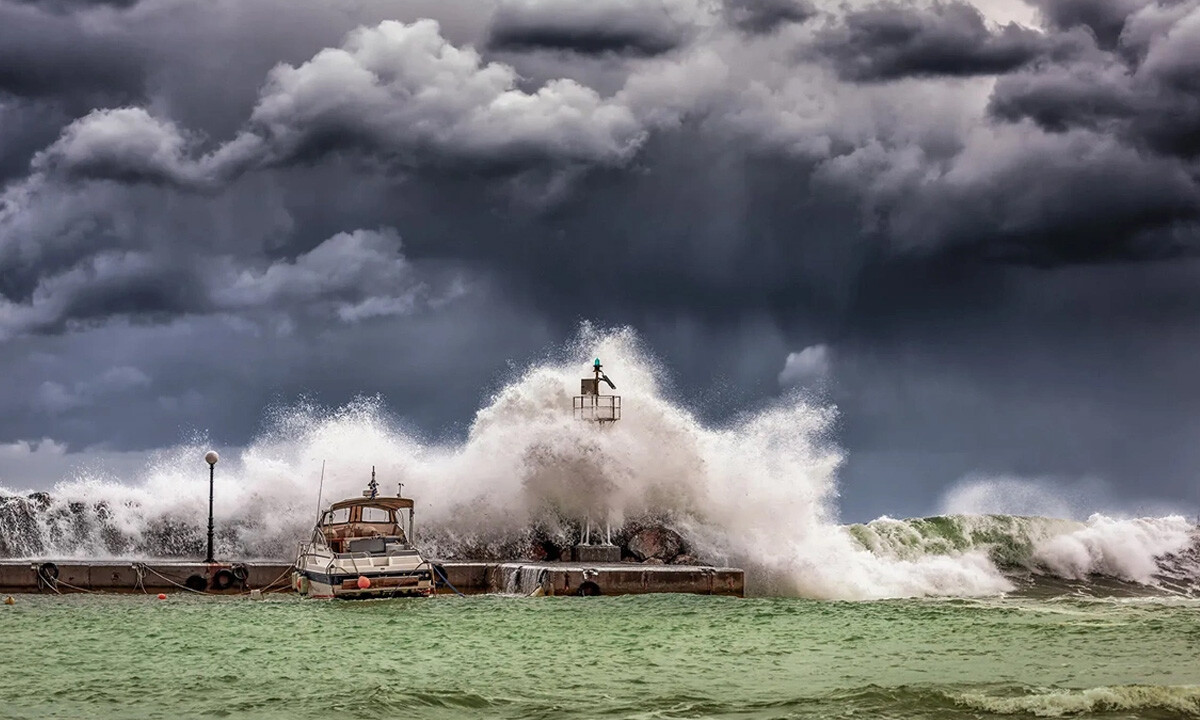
x=372, y=487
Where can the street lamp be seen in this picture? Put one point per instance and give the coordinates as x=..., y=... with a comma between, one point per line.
x=211, y=458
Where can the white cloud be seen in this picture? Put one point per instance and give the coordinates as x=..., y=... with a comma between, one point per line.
x=810, y=365
x=398, y=91
x=358, y=275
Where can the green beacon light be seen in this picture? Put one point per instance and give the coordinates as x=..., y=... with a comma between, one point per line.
x=596, y=364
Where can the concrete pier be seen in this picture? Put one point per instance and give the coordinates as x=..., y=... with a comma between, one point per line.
x=546, y=578
x=65, y=576
x=554, y=578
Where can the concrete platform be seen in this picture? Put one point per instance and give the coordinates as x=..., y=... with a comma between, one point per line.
x=22, y=576
x=559, y=578
x=519, y=578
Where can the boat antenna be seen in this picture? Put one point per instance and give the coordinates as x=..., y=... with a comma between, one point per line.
x=320, y=490
x=373, y=486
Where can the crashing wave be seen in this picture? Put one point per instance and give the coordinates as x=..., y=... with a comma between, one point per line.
x=758, y=492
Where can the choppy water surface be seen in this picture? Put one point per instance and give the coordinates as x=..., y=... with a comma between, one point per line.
x=632, y=657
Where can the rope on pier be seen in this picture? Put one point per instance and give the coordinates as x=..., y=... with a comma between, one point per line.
x=444, y=578
x=68, y=585
x=268, y=586
x=164, y=577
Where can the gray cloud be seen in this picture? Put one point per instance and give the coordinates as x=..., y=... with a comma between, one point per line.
x=349, y=277
x=1145, y=92
x=55, y=397
x=889, y=41
x=69, y=56
x=623, y=27
x=1104, y=18
x=1019, y=197
x=398, y=92
x=764, y=16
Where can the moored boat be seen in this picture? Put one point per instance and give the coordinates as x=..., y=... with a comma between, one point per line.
x=360, y=548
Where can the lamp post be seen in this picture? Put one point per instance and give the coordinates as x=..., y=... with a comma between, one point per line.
x=211, y=458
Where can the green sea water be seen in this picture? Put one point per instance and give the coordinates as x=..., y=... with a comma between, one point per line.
x=658, y=656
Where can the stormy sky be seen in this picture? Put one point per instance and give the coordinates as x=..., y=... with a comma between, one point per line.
x=973, y=227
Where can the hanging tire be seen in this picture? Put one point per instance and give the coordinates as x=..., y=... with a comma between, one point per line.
x=588, y=589
x=47, y=574
x=196, y=582
x=223, y=579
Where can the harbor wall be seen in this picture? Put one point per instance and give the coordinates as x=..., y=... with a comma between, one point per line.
x=551, y=578
x=546, y=578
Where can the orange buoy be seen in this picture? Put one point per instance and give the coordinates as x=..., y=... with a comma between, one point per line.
x=9, y=600
x=364, y=582
x=162, y=596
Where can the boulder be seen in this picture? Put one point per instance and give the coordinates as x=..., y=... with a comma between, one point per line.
x=684, y=560
x=655, y=542
x=654, y=561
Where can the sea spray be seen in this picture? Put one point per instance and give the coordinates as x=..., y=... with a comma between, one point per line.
x=758, y=491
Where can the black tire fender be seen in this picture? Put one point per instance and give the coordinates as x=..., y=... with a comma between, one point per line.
x=223, y=579
x=47, y=574
x=588, y=589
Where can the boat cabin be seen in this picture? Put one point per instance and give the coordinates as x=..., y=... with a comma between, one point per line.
x=367, y=525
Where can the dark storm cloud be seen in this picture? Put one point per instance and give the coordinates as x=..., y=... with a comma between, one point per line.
x=589, y=28
x=68, y=56
x=764, y=16
x=349, y=277
x=1104, y=18
x=1026, y=199
x=64, y=6
x=183, y=256
x=891, y=40
x=399, y=92
x=1146, y=92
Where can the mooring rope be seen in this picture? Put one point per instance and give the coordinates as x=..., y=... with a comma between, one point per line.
x=444, y=578
x=267, y=588
x=66, y=584
x=178, y=585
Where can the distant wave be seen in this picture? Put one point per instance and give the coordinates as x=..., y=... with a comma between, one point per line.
x=1161, y=553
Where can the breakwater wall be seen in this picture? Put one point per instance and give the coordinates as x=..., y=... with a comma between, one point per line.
x=520, y=578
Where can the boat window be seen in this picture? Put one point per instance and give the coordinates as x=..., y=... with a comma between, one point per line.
x=335, y=517
x=376, y=515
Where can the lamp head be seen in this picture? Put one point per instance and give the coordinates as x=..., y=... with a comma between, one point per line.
x=211, y=457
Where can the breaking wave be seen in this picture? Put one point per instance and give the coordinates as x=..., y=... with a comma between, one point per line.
x=759, y=492
x=1139, y=700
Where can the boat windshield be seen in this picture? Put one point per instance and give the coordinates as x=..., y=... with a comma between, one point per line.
x=343, y=527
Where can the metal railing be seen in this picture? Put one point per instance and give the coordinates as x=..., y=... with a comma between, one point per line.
x=597, y=408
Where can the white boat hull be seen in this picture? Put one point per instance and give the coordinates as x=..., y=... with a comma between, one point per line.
x=322, y=575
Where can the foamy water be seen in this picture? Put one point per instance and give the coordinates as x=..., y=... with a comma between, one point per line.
x=759, y=492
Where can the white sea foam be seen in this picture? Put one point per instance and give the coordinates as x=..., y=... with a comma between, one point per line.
x=1179, y=701
x=759, y=491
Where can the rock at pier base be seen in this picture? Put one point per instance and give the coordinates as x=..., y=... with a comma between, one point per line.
x=656, y=542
